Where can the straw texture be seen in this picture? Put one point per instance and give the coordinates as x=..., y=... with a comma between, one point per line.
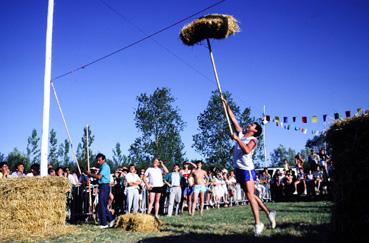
x=217, y=26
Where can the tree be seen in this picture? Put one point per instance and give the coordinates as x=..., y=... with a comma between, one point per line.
x=33, y=148
x=119, y=159
x=2, y=157
x=53, y=151
x=91, y=138
x=160, y=124
x=15, y=157
x=316, y=143
x=213, y=140
x=281, y=153
x=63, y=153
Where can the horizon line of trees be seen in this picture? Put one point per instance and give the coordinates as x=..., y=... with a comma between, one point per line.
x=159, y=122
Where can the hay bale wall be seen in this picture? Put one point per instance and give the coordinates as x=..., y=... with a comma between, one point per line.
x=349, y=141
x=32, y=205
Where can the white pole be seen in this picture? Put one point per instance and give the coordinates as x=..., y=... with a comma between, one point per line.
x=218, y=83
x=264, y=135
x=47, y=78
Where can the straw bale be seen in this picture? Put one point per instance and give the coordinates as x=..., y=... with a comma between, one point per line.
x=33, y=205
x=137, y=222
x=218, y=26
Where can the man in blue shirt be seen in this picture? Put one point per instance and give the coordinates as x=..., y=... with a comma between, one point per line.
x=104, y=189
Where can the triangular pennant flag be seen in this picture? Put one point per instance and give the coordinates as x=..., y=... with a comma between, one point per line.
x=285, y=119
x=359, y=111
x=314, y=119
x=276, y=118
x=336, y=116
x=294, y=119
x=296, y=129
x=348, y=114
x=288, y=127
x=324, y=118
x=304, y=119
x=305, y=131
x=268, y=118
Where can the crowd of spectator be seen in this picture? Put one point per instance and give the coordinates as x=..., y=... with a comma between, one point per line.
x=162, y=192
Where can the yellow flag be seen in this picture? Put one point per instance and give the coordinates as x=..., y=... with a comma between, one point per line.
x=314, y=119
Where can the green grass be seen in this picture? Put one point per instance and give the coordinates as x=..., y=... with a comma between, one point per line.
x=296, y=222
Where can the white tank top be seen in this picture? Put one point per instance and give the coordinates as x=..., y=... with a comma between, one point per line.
x=242, y=160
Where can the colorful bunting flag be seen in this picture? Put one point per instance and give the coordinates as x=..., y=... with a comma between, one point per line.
x=336, y=116
x=324, y=118
x=285, y=119
x=304, y=119
x=276, y=118
x=314, y=119
x=294, y=119
x=348, y=114
x=359, y=111
x=268, y=118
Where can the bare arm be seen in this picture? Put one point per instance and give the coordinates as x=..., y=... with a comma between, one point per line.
x=232, y=116
x=246, y=148
x=164, y=167
x=193, y=164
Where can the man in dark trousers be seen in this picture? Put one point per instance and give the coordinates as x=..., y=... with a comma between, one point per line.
x=103, y=177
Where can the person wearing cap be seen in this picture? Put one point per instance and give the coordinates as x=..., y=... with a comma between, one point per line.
x=103, y=177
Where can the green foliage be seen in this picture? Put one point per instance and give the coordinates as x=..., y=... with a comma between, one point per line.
x=316, y=143
x=281, y=153
x=2, y=157
x=15, y=157
x=349, y=143
x=53, y=149
x=33, y=148
x=213, y=140
x=119, y=159
x=160, y=124
x=63, y=153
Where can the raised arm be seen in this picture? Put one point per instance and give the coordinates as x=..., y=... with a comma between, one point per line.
x=164, y=167
x=232, y=116
x=246, y=148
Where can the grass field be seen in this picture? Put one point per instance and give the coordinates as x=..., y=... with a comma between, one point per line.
x=296, y=222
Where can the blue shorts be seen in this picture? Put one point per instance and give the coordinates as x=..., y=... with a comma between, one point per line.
x=199, y=188
x=188, y=191
x=242, y=176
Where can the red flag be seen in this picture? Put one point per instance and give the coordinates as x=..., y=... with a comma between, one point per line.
x=304, y=119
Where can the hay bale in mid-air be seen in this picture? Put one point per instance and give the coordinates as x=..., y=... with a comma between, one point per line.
x=32, y=206
x=216, y=26
x=137, y=222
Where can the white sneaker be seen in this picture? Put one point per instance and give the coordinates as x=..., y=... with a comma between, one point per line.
x=259, y=228
x=104, y=226
x=271, y=217
x=112, y=223
x=295, y=193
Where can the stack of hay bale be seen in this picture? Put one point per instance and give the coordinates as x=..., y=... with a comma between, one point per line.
x=32, y=206
x=349, y=141
x=138, y=223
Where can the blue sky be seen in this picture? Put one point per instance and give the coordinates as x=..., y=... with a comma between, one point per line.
x=298, y=58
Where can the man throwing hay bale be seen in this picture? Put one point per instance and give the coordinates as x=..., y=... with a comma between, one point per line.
x=246, y=142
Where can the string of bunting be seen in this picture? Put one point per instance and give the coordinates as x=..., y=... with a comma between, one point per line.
x=285, y=121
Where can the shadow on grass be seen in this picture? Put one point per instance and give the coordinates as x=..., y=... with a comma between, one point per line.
x=235, y=238
x=308, y=233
